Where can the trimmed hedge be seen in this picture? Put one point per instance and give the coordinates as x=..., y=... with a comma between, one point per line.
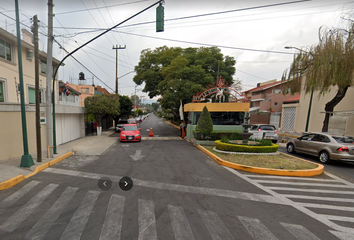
x=242, y=148
x=217, y=135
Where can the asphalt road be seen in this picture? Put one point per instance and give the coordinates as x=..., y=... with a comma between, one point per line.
x=178, y=193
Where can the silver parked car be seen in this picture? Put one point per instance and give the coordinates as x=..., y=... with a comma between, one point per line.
x=324, y=146
x=269, y=131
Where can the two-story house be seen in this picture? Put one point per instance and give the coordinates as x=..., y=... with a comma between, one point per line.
x=69, y=119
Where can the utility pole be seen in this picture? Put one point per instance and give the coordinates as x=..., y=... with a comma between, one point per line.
x=49, y=71
x=26, y=159
x=117, y=48
x=38, y=100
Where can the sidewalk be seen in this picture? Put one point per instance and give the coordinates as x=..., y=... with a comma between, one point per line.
x=11, y=173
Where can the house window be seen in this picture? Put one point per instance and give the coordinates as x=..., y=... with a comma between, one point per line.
x=275, y=104
x=2, y=92
x=5, y=50
x=84, y=90
x=43, y=66
x=276, y=91
x=31, y=96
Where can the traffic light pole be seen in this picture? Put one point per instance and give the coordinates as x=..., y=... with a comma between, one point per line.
x=56, y=70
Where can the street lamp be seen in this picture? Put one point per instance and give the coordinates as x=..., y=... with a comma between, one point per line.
x=310, y=104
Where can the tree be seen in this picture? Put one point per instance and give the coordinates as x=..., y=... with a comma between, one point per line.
x=325, y=65
x=135, y=100
x=139, y=112
x=126, y=105
x=204, y=124
x=177, y=74
x=155, y=106
x=100, y=105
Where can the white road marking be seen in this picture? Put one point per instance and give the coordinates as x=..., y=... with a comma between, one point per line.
x=304, y=184
x=324, y=206
x=215, y=226
x=112, y=226
x=342, y=235
x=78, y=222
x=338, y=218
x=147, y=223
x=255, y=177
x=44, y=224
x=310, y=190
x=256, y=229
x=10, y=200
x=137, y=155
x=176, y=187
x=299, y=232
x=296, y=205
x=17, y=218
x=180, y=224
x=349, y=200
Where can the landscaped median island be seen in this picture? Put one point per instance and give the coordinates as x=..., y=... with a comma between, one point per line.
x=280, y=164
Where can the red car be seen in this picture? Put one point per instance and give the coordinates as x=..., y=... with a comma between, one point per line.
x=130, y=132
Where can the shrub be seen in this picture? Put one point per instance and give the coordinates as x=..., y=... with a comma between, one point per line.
x=205, y=124
x=224, y=139
x=245, y=148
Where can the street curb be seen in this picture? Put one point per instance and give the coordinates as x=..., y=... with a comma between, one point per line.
x=13, y=181
x=172, y=124
x=279, y=172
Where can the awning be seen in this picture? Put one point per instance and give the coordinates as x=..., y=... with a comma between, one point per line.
x=253, y=109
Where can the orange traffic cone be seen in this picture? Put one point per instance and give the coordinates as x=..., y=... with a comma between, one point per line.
x=151, y=133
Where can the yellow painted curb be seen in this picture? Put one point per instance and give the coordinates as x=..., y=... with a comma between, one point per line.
x=172, y=124
x=279, y=172
x=13, y=181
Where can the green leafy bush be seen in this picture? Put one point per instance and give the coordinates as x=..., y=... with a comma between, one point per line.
x=245, y=148
x=205, y=124
x=224, y=139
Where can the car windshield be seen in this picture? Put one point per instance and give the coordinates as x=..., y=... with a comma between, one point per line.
x=130, y=128
x=269, y=128
x=343, y=139
x=254, y=127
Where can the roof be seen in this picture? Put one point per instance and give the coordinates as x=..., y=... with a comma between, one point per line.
x=293, y=99
x=217, y=107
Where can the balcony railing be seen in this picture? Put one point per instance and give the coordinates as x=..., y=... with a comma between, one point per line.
x=258, y=97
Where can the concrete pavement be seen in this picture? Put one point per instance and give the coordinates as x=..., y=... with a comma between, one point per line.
x=11, y=173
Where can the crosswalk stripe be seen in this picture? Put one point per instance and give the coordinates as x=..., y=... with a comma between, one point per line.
x=9, y=201
x=338, y=218
x=342, y=235
x=44, y=224
x=147, y=223
x=256, y=229
x=180, y=223
x=302, y=179
x=77, y=223
x=113, y=222
x=215, y=226
x=299, y=232
x=349, y=200
x=340, y=185
x=325, y=206
x=311, y=190
x=17, y=218
x=161, y=138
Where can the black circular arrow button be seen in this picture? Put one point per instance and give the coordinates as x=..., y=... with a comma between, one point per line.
x=126, y=183
x=104, y=183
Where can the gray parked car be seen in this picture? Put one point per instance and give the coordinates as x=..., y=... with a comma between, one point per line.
x=324, y=146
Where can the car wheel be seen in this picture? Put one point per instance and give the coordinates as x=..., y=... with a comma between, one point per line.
x=274, y=141
x=323, y=157
x=290, y=148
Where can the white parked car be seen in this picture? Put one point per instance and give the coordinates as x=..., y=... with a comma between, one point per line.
x=268, y=131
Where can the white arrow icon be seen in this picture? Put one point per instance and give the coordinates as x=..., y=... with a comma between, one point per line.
x=104, y=183
x=137, y=155
x=125, y=183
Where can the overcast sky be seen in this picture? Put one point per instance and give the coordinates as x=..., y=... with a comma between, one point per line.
x=240, y=34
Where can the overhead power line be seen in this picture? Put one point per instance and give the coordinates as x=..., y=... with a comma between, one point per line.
x=206, y=44
x=83, y=10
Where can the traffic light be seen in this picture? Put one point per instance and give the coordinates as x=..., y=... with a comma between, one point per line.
x=160, y=18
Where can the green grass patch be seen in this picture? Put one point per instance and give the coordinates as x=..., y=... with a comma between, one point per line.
x=280, y=161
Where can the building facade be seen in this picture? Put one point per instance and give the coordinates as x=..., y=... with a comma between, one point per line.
x=10, y=106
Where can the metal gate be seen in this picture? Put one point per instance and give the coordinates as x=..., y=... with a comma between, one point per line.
x=289, y=118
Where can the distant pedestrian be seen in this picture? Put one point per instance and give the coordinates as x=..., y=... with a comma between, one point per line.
x=181, y=127
x=95, y=127
x=139, y=121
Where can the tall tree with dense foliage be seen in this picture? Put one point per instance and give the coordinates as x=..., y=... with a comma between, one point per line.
x=126, y=105
x=177, y=74
x=325, y=65
x=100, y=105
x=205, y=123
